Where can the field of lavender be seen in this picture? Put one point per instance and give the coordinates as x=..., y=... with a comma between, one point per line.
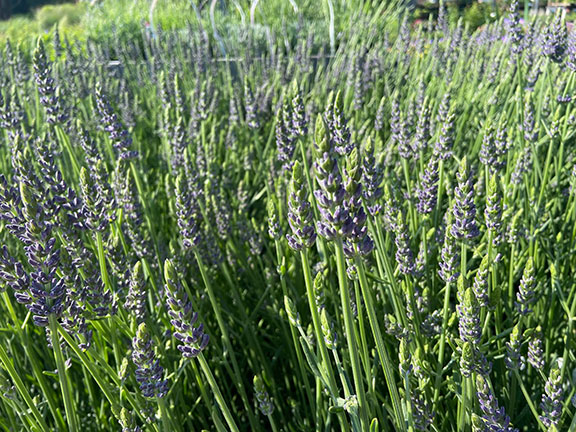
x=271, y=230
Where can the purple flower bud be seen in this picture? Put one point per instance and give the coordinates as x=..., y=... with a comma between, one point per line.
x=285, y=141
x=404, y=256
x=193, y=339
x=422, y=135
x=526, y=294
x=449, y=257
x=535, y=350
x=464, y=208
x=189, y=217
x=554, y=42
x=571, y=52
x=358, y=241
x=299, y=212
x=480, y=285
x=338, y=130
x=468, y=315
x=371, y=179
x=149, y=373
x=493, y=211
x=136, y=297
x=335, y=217
x=274, y=228
x=493, y=417
x=49, y=94
x=251, y=107
x=529, y=123
x=522, y=166
x=264, y=403
x=513, y=358
x=379, y=118
x=298, y=122
x=428, y=188
x=515, y=33
x=399, y=131
x=552, y=400
x=421, y=409
x=117, y=134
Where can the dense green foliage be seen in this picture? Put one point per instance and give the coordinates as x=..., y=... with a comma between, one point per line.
x=300, y=223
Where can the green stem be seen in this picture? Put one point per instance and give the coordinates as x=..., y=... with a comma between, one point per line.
x=568, y=341
x=90, y=366
x=350, y=334
x=63, y=375
x=106, y=280
x=380, y=346
x=226, y=339
x=543, y=185
x=445, y=316
x=272, y=423
x=32, y=356
x=385, y=268
x=462, y=423
x=301, y=365
x=167, y=422
x=317, y=326
x=217, y=393
x=22, y=389
x=529, y=401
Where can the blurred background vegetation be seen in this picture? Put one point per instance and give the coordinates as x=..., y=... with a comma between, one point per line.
x=98, y=19
x=22, y=21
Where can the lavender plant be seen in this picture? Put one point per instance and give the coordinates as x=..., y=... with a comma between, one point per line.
x=416, y=183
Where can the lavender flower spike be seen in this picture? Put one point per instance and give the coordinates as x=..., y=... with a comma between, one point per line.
x=493, y=417
x=480, y=285
x=371, y=180
x=445, y=140
x=46, y=292
x=49, y=97
x=274, y=228
x=450, y=257
x=128, y=422
x=338, y=128
x=526, y=295
x=192, y=339
x=552, y=400
x=117, y=133
x=298, y=120
x=464, y=209
x=335, y=219
x=469, y=316
x=136, y=297
x=571, y=52
x=251, y=106
x=188, y=213
x=149, y=373
x=428, y=189
x=513, y=359
x=493, y=211
x=359, y=241
x=264, y=403
x=535, y=350
x=285, y=140
x=515, y=33
x=404, y=256
x=299, y=213
x=554, y=43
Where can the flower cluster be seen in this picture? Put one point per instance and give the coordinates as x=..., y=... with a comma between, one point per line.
x=192, y=339
x=493, y=416
x=299, y=213
x=149, y=373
